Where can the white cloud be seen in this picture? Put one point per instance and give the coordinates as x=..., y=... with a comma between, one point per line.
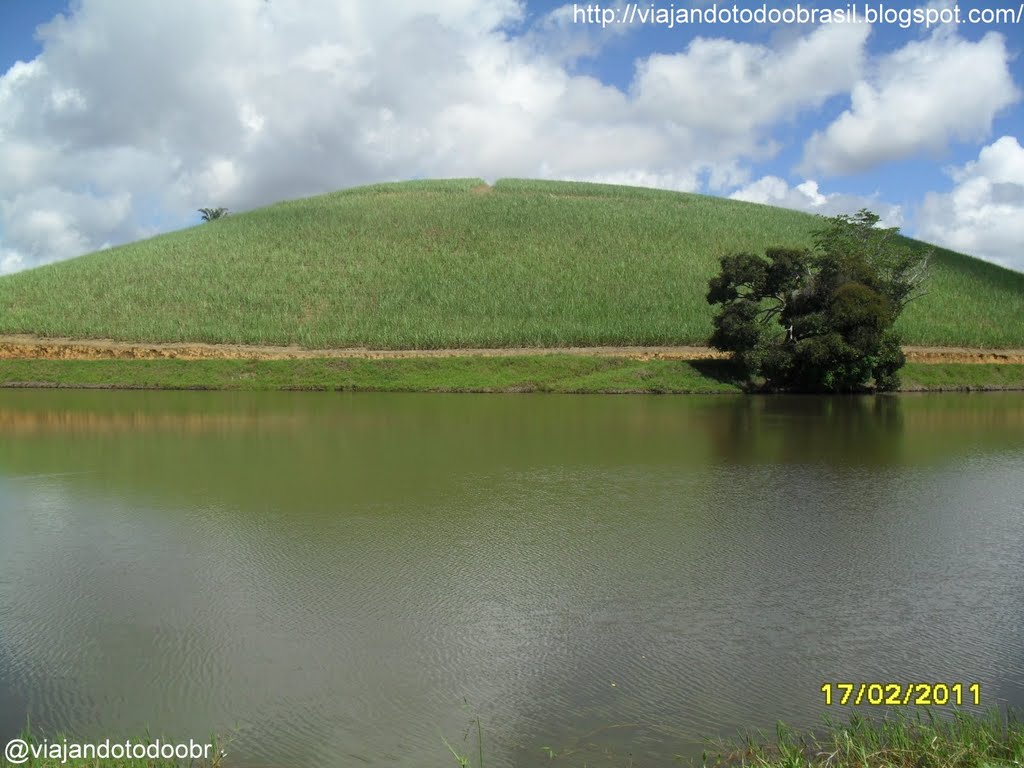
x=562, y=34
x=681, y=182
x=10, y=261
x=136, y=114
x=921, y=96
x=49, y=223
x=984, y=213
x=806, y=196
x=719, y=95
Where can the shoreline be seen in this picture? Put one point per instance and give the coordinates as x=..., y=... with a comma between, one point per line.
x=547, y=372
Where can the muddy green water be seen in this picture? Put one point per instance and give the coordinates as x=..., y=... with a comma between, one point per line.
x=341, y=580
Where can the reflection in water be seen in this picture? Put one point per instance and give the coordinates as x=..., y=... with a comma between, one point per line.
x=333, y=576
x=866, y=430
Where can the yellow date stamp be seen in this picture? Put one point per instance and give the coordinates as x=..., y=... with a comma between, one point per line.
x=901, y=694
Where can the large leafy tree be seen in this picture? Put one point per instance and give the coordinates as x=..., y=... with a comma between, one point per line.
x=820, y=319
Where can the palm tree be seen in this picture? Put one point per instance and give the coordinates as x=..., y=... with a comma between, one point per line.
x=209, y=214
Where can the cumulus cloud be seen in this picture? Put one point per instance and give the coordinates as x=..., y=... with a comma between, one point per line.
x=806, y=196
x=983, y=215
x=136, y=114
x=10, y=261
x=919, y=98
x=50, y=223
x=720, y=94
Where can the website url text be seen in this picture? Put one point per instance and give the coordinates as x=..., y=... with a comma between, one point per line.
x=852, y=13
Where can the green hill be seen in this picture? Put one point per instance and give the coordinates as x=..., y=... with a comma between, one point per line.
x=432, y=264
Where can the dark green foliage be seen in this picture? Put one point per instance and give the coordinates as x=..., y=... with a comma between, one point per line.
x=819, y=320
x=888, y=361
x=209, y=214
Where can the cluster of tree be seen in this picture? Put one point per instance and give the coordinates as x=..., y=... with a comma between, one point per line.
x=819, y=319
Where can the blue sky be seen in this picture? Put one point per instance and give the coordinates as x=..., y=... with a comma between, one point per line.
x=907, y=179
x=120, y=120
x=17, y=34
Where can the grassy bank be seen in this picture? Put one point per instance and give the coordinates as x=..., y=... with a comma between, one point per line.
x=445, y=264
x=541, y=373
x=898, y=741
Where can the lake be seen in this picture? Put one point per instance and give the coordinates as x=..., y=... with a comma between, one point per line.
x=349, y=579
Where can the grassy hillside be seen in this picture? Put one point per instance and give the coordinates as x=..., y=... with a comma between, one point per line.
x=434, y=264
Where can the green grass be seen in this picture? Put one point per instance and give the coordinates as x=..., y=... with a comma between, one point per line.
x=433, y=264
x=959, y=376
x=533, y=373
x=897, y=741
x=539, y=373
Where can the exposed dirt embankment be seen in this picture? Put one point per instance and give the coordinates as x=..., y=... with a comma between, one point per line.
x=963, y=355
x=30, y=347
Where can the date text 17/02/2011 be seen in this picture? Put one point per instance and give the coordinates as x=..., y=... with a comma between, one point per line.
x=901, y=694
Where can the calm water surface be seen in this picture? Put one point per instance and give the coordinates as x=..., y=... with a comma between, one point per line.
x=341, y=580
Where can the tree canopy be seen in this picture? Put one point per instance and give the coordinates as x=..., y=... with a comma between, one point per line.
x=819, y=319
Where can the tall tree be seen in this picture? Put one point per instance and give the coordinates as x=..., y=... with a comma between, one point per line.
x=819, y=319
